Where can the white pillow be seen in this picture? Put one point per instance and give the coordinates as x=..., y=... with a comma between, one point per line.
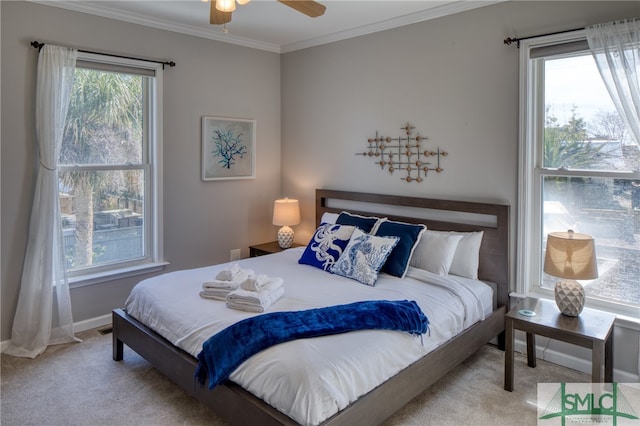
x=435, y=251
x=329, y=217
x=466, y=259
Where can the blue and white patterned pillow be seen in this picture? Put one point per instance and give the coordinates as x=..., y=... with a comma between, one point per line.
x=326, y=246
x=364, y=256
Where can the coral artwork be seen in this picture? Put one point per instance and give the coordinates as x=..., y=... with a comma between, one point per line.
x=228, y=148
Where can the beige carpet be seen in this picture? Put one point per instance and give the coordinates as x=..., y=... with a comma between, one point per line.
x=80, y=384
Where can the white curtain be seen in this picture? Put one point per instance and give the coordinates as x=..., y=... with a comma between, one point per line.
x=616, y=48
x=43, y=315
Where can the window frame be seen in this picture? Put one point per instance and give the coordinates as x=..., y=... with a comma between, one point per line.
x=153, y=259
x=531, y=173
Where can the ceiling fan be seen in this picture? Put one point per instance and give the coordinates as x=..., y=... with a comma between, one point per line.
x=221, y=9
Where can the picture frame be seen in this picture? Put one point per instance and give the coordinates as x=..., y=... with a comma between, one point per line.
x=228, y=148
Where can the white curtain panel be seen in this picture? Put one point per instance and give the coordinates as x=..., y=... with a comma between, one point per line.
x=616, y=49
x=43, y=315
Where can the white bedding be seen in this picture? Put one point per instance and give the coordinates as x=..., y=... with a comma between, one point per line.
x=311, y=379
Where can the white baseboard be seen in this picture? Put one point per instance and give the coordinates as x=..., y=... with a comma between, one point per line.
x=573, y=362
x=92, y=323
x=77, y=327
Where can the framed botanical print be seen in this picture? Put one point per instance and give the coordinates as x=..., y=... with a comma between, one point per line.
x=228, y=148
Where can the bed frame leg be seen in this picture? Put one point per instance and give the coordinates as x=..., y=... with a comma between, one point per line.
x=118, y=349
x=501, y=341
x=118, y=345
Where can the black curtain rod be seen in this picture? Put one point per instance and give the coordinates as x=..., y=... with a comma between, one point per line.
x=172, y=64
x=510, y=40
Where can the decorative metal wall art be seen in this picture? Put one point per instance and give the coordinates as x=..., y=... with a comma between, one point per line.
x=404, y=153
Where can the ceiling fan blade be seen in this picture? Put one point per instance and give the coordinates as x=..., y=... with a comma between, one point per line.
x=217, y=17
x=308, y=7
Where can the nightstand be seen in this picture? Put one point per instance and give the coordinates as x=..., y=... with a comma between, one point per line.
x=591, y=329
x=267, y=248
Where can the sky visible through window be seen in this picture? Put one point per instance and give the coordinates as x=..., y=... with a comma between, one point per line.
x=565, y=88
x=606, y=207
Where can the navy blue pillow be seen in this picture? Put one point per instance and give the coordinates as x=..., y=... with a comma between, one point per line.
x=366, y=224
x=326, y=246
x=398, y=261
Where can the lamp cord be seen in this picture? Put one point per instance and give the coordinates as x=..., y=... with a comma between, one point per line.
x=544, y=351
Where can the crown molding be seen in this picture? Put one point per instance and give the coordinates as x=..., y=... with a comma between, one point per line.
x=412, y=18
x=218, y=35
x=105, y=12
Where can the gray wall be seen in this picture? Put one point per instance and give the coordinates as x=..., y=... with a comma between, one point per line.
x=202, y=220
x=451, y=77
x=454, y=79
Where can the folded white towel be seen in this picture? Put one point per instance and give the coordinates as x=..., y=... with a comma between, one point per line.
x=261, y=282
x=213, y=294
x=221, y=285
x=228, y=285
x=253, y=301
x=229, y=274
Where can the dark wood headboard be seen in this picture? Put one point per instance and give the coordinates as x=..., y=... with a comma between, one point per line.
x=450, y=216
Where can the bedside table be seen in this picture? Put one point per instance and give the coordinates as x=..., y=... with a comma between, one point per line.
x=591, y=329
x=267, y=248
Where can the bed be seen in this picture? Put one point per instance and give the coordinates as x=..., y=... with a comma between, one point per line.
x=435, y=355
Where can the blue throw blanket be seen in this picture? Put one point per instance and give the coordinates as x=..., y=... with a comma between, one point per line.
x=222, y=353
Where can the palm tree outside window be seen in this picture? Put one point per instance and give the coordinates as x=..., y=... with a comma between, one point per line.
x=108, y=170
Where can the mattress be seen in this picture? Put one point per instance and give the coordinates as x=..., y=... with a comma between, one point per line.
x=309, y=380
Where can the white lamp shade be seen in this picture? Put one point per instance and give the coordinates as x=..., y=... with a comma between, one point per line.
x=571, y=255
x=286, y=212
x=226, y=5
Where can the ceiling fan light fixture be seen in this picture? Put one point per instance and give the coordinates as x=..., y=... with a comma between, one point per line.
x=220, y=10
x=226, y=5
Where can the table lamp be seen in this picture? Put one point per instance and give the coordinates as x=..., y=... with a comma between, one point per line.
x=571, y=256
x=286, y=212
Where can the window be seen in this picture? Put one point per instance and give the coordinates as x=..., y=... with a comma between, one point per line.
x=109, y=169
x=579, y=169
